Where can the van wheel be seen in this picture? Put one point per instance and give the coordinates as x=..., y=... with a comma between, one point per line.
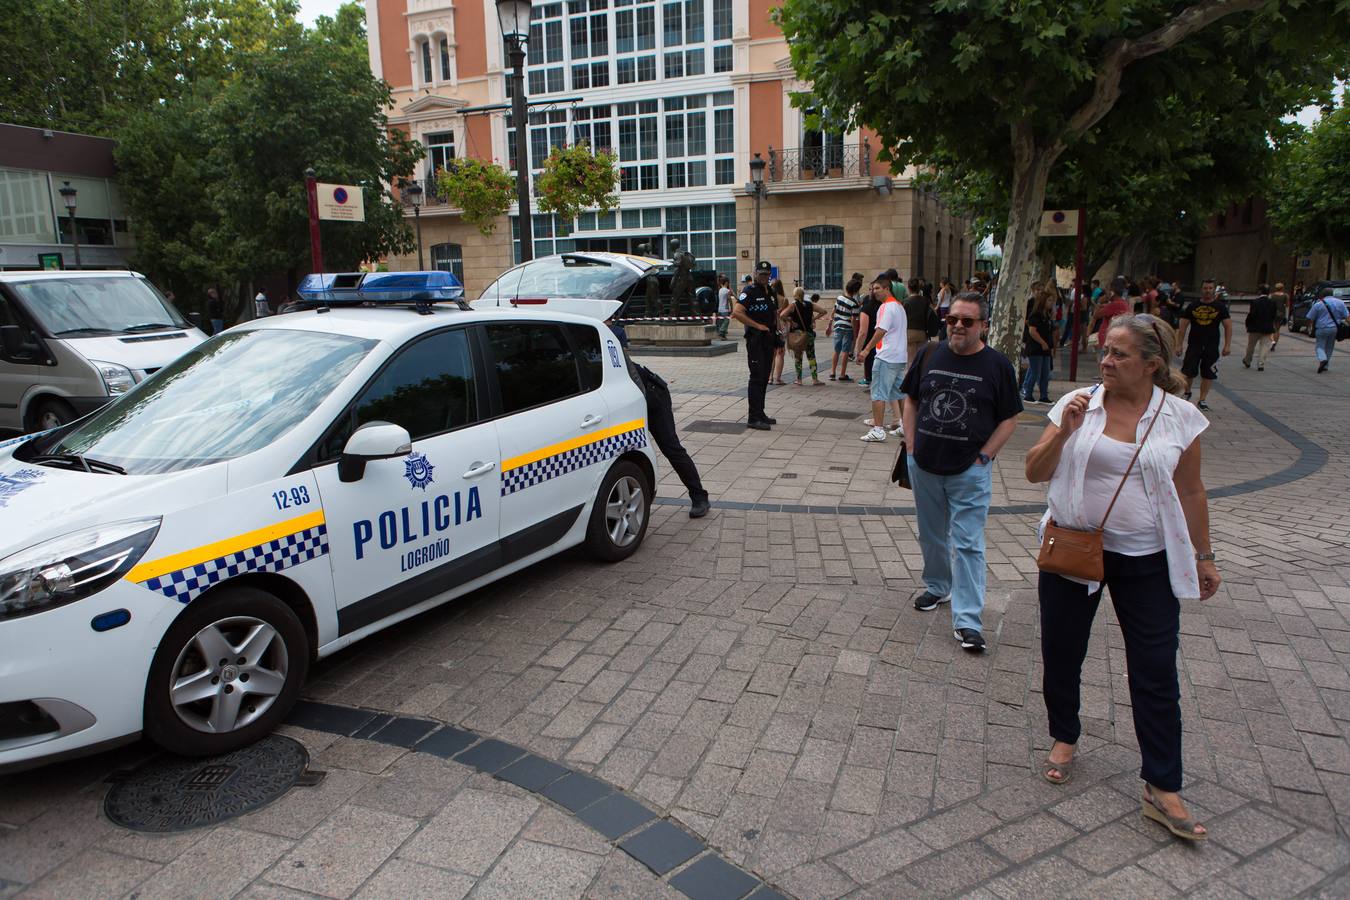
x=227, y=672
x=619, y=516
x=52, y=413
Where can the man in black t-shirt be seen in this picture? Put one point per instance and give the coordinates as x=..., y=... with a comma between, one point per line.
x=756, y=310
x=1200, y=322
x=867, y=323
x=961, y=406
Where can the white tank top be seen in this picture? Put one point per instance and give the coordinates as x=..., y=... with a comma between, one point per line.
x=1132, y=529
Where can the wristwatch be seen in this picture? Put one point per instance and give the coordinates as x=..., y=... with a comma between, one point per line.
x=1203, y=557
x=985, y=459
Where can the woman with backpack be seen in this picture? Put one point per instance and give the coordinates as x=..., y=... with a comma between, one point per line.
x=801, y=315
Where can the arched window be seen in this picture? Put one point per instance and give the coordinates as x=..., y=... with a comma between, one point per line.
x=919, y=243
x=448, y=258
x=445, y=60
x=822, y=258
x=426, y=62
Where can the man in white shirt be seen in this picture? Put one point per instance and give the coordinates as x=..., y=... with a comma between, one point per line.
x=888, y=341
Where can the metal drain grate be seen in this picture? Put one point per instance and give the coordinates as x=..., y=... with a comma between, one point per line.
x=787, y=475
x=838, y=414
x=170, y=793
x=708, y=426
x=838, y=468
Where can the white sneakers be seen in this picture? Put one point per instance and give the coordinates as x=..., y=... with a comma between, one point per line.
x=875, y=434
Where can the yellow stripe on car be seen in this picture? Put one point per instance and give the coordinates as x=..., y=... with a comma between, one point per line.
x=186, y=558
x=525, y=459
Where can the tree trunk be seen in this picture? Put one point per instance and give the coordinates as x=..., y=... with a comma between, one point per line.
x=1031, y=168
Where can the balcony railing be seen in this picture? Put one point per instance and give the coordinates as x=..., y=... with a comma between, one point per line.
x=810, y=163
x=430, y=196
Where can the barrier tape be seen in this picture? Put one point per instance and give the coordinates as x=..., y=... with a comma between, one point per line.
x=710, y=319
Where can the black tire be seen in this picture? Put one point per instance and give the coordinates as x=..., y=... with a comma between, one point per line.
x=183, y=728
x=600, y=541
x=51, y=413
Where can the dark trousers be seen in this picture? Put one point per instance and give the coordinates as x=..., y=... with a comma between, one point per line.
x=867, y=364
x=1150, y=620
x=759, y=356
x=661, y=425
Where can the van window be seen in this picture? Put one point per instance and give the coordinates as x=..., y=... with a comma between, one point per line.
x=89, y=307
x=534, y=364
x=563, y=277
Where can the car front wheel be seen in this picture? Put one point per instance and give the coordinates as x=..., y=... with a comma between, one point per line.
x=226, y=673
x=619, y=516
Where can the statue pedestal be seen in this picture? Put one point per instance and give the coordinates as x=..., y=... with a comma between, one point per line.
x=673, y=334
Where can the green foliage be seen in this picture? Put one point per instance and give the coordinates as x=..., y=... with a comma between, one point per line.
x=576, y=179
x=1014, y=93
x=214, y=179
x=483, y=190
x=1310, y=192
x=84, y=65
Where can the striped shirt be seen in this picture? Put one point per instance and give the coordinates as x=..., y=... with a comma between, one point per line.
x=845, y=311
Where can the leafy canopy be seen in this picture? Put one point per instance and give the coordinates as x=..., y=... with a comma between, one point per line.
x=1310, y=196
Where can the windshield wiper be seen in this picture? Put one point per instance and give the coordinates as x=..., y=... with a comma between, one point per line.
x=148, y=326
x=87, y=463
x=84, y=332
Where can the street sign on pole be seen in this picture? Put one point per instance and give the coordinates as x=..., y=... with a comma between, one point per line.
x=1059, y=223
x=340, y=202
x=315, y=246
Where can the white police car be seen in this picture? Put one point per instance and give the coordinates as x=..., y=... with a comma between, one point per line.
x=172, y=563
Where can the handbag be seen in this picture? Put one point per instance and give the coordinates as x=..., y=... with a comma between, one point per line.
x=796, y=340
x=1076, y=553
x=900, y=471
x=1342, y=327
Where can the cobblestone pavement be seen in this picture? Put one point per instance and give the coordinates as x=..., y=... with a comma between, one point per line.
x=759, y=679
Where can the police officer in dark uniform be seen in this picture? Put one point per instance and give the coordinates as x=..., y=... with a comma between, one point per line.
x=756, y=310
x=661, y=426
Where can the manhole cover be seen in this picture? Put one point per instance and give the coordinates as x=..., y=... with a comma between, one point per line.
x=175, y=794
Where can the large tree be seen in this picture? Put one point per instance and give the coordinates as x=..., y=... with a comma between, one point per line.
x=214, y=179
x=1010, y=89
x=1310, y=193
x=85, y=65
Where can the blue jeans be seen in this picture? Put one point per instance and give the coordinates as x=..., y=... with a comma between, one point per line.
x=952, y=513
x=1326, y=343
x=1038, y=373
x=217, y=326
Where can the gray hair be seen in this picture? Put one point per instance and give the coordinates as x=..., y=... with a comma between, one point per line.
x=1155, y=340
x=973, y=297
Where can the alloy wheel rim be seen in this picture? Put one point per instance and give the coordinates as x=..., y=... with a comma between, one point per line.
x=228, y=675
x=624, y=511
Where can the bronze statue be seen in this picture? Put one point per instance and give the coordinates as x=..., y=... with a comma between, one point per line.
x=682, y=282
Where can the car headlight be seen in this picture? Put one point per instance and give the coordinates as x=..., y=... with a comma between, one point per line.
x=118, y=379
x=71, y=567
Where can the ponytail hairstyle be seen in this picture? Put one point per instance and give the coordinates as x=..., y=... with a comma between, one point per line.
x=1155, y=340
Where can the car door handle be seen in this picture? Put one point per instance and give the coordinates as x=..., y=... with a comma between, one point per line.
x=591, y=420
x=477, y=469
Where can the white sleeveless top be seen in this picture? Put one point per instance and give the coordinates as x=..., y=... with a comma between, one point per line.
x=1132, y=529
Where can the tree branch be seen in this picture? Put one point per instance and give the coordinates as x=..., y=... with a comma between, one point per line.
x=1106, y=90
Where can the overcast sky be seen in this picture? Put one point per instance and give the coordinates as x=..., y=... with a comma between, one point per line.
x=312, y=9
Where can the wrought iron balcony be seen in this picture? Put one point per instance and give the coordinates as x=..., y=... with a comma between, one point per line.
x=430, y=194
x=810, y=163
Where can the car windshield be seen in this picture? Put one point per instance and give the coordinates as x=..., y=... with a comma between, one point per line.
x=565, y=277
x=228, y=397
x=88, y=307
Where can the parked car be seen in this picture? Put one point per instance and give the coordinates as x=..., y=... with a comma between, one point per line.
x=1298, y=320
x=173, y=563
x=637, y=286
x=72, y=341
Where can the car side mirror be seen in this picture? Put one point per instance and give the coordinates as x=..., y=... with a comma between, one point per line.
x=13, y=343
x=373, y=440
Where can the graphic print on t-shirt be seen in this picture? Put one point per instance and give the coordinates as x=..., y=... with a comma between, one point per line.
x=951, y=410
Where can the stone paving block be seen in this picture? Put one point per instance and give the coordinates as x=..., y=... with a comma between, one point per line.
x=615, y=815
x=711, y=878
x=217, y=868
x=47, y=841
x=1020, y=841
x=335, y=858
x=953, y=871
x=819, y=761
x=955, y=826
x=871, y=861
x=623, y=878
x=399, y=879
x=1129, y=883
x=1051, y=877
x=539, y=870
x=1109, y=847
x=93, y=873
x=471, y=831
x=1273, y=874
x=661, y=847
x=1249, y=830
x=1094, y=807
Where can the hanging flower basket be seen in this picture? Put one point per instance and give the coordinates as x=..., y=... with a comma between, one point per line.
x=575, y=179
x=483, y=190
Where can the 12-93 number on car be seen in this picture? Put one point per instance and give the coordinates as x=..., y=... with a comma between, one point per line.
x=296, y=496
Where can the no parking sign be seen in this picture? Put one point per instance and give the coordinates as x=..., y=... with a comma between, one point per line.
x=343, y=202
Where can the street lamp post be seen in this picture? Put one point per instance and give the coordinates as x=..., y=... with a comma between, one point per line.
x=757, y=188
x=514, y=18
x=413, y=191
x=68, y=196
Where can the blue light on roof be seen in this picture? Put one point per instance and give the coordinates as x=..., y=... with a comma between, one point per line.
x=380, y=287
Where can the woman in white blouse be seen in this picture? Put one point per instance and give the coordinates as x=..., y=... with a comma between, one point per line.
x=1156, y=545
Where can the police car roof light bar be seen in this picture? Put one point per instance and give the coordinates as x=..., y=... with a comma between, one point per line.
x=419, y=289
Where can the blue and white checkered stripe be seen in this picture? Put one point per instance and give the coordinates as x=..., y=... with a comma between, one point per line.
x=542, y=470
x=274, y=556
